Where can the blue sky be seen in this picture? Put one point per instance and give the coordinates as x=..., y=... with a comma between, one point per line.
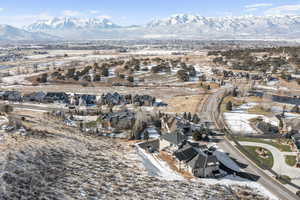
x=127, y=12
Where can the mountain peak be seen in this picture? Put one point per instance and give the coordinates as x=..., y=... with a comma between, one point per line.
x=176, y=19
x=8, y=32
x=65, y=23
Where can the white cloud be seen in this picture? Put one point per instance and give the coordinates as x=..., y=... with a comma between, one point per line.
x=284, y=10
x=23, y=20
x=71, y=13
x=259, y=5
x=93, y=12
x=104, y=17
x=254, y=7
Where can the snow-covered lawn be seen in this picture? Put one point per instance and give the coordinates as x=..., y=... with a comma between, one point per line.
x=238, y=120
x=272, y=83
x=288, y=115
x=156, y=166
x=19, y=79
x=235, y=180
x=271, y=87
x=3, y=120
x=154, y=52
x=33, y=110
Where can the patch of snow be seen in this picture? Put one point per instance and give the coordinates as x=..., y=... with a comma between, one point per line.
x=235, y=180
x=157, y=167
x=19, y=79
x=34, y=110
x=238, y=119
x=239, y=122
x=272, y=83
x=271, y=88
x=289, y=115
x=244, y=107
x=153, y=133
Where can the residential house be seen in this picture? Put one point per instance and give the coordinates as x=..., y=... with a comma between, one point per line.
x=35, y=96
x=150, y=133
x=86, y=100
x=120, y=120
x=173, y=139
x=12, y=96
x=56, y=97
x=197, y=159
x=296, y=140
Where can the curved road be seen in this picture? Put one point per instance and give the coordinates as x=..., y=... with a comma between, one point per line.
x=209, y=112
x=279, y=165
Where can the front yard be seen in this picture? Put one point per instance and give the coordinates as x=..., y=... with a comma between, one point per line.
x=267, y=159
x=284, y=147
x=291, y=160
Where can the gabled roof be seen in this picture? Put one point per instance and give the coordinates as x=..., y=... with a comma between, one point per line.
x=211, y=159
x=187, y=153
x=202, y=161
x=296, y=136
x=175, y=137
x=199, y=161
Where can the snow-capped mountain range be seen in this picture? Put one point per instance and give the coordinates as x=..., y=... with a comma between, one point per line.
x=180, y=26
x=64, y=23
x=10, y=33
x=243, y=25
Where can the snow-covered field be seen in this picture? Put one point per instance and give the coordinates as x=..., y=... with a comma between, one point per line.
x=156, y=166
x=271, y=87
x=33, y=110
x=3, y=120
x=238, y=119
x=19, y=79
x=272, y=83
x=288, y=115
x=36, y=57
x=239, y=122
x=91, y=57
x=234, y=180
x=154, y=52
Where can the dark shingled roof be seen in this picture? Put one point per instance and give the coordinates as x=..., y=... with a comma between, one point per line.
x=198, y=161
x=186, y=153
x=296, y=136
x=175, y=137
x=212, y=159
x=202, y=161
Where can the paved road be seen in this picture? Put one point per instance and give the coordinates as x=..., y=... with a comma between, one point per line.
x=279, y=165
x=209, y=112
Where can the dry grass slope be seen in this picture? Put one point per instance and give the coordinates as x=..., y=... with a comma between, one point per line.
x=70, y=165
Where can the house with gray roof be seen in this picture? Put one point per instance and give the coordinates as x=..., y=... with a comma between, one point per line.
x=296, y=140
x=173, y=139
x=13, y=95
x=35, y=96
x=204, y=165
x=197, y=159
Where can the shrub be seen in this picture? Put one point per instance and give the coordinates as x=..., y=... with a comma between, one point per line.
x=130, y=79
x=229, y=106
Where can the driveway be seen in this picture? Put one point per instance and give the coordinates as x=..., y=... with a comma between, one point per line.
x=280, y=165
